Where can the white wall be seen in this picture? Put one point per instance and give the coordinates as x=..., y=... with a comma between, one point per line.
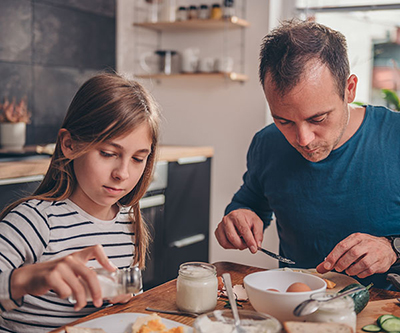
x=209, y=111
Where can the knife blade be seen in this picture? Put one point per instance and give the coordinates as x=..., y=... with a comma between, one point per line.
x=276, y=256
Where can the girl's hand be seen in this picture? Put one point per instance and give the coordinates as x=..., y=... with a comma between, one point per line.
x=63, y=276
x=121, y=298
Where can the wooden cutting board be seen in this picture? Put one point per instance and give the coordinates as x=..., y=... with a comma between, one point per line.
x=376, y=308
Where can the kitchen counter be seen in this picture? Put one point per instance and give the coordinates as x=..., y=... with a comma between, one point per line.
x=38, y=166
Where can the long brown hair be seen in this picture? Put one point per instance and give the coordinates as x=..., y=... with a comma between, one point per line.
x=287, y=49
x=106, y=106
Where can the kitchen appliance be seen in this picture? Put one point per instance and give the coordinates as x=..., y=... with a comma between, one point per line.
x=167, y=62
x=152, y=208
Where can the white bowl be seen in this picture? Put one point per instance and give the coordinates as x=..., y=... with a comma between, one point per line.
x=280, y=304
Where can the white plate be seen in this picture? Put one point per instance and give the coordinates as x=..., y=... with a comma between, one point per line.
x=122, y=322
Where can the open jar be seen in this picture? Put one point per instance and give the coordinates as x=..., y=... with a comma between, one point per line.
x=196, y=287
x=340, y=310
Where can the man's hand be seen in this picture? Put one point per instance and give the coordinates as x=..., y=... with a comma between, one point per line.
x=63, y=276
x=240, y=229
x=361, y=255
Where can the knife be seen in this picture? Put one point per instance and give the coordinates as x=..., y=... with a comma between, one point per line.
x=277, y=256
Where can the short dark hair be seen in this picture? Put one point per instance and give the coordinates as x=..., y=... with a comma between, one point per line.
x=288, y=48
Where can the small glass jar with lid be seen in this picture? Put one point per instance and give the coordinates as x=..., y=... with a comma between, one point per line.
x=181, y=14
x=340, y=310
x=193, y=12
x=204, y=12
x=196, y=287
x=216, y=11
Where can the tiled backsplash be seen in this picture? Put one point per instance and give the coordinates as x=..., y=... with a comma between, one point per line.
x=48, y=48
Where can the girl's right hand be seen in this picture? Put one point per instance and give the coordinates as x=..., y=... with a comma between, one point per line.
x=63, y=276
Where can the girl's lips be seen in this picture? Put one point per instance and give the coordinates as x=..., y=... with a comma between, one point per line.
x=112, y=189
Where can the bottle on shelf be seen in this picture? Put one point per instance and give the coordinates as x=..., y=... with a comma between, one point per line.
x=193, y=12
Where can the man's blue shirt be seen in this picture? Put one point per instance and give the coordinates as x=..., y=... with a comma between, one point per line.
x=318, y=204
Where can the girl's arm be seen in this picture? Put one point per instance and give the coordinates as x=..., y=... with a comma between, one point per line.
x=62, y=276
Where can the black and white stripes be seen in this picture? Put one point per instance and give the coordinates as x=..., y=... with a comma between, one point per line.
x=38, y=231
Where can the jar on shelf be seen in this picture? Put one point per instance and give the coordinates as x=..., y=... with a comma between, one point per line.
x=181, y=14
x=193, y=13
x=216, y=11
x=229, y=9
x=204, y=12
x=196, y=287
x=340, y=310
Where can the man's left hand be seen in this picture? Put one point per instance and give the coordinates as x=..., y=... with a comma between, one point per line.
x=361, y=255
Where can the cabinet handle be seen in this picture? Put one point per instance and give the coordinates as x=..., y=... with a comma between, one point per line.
x=19, y=180
x=153, y=201
x=194, y=159
x=188, y=241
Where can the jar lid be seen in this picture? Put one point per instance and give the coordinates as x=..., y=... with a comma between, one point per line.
x=203, y=6
x=193, y=7
x=182, y=8
x=216, y=5
x=197, y=269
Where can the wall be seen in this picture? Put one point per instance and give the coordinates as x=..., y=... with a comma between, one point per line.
x=208, y=111
x=47, y=49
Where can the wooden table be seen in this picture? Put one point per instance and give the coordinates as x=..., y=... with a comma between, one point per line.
x=163, y=297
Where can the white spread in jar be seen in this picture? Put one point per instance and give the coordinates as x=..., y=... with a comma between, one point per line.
x=197, y=286
x=340, y=310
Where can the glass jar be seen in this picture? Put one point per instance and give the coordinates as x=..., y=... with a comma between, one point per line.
x=181, y=14
x=204, y=12
x=196, y=287
x=192, y=14
x=216, y=12
x=119, y=282
x=340, y=310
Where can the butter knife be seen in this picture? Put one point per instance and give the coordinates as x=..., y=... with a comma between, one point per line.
x=276, y=256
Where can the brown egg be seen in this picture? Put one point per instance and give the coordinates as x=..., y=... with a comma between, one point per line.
x=298, y=287
x=272, y=289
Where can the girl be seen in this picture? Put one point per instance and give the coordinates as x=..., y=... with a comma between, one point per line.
x=101, y=167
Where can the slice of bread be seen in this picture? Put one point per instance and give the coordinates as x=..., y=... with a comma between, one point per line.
x=308, y=327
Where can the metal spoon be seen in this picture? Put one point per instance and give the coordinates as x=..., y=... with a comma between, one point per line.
x=311, y=305
x=232, y=301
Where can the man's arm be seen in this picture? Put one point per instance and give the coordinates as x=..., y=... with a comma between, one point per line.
x=240, y=229
x=361, y=255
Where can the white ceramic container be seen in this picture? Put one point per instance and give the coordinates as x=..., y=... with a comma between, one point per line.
x=280, y=304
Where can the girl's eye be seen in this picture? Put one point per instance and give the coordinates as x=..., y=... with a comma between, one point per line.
x=138, y=159
x=105, y=154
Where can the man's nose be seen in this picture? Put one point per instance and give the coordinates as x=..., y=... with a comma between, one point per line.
x=304, y=135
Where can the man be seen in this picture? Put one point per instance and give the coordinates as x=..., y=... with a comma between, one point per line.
x=328, y=170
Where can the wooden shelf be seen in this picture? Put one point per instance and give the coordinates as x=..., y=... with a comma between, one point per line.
x=231, y=76
x=210, y=24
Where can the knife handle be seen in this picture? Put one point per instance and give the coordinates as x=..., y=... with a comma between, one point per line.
x=394, y=279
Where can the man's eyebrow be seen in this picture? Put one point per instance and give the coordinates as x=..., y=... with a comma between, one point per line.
x=319, y=114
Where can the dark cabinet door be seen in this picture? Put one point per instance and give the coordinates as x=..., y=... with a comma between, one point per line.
x=187, y=214
x=14, y=189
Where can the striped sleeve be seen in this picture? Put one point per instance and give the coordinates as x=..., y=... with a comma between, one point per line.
x=24, y=234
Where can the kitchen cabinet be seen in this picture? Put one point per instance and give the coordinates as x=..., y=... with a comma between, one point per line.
x=225, y=25
x=187, y=211
x=13, y=189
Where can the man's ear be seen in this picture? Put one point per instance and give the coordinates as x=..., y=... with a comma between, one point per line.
x=351, y=88
x=67, y=144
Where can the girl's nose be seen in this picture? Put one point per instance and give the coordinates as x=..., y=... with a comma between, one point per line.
x=120, y=171
x=304, y=136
